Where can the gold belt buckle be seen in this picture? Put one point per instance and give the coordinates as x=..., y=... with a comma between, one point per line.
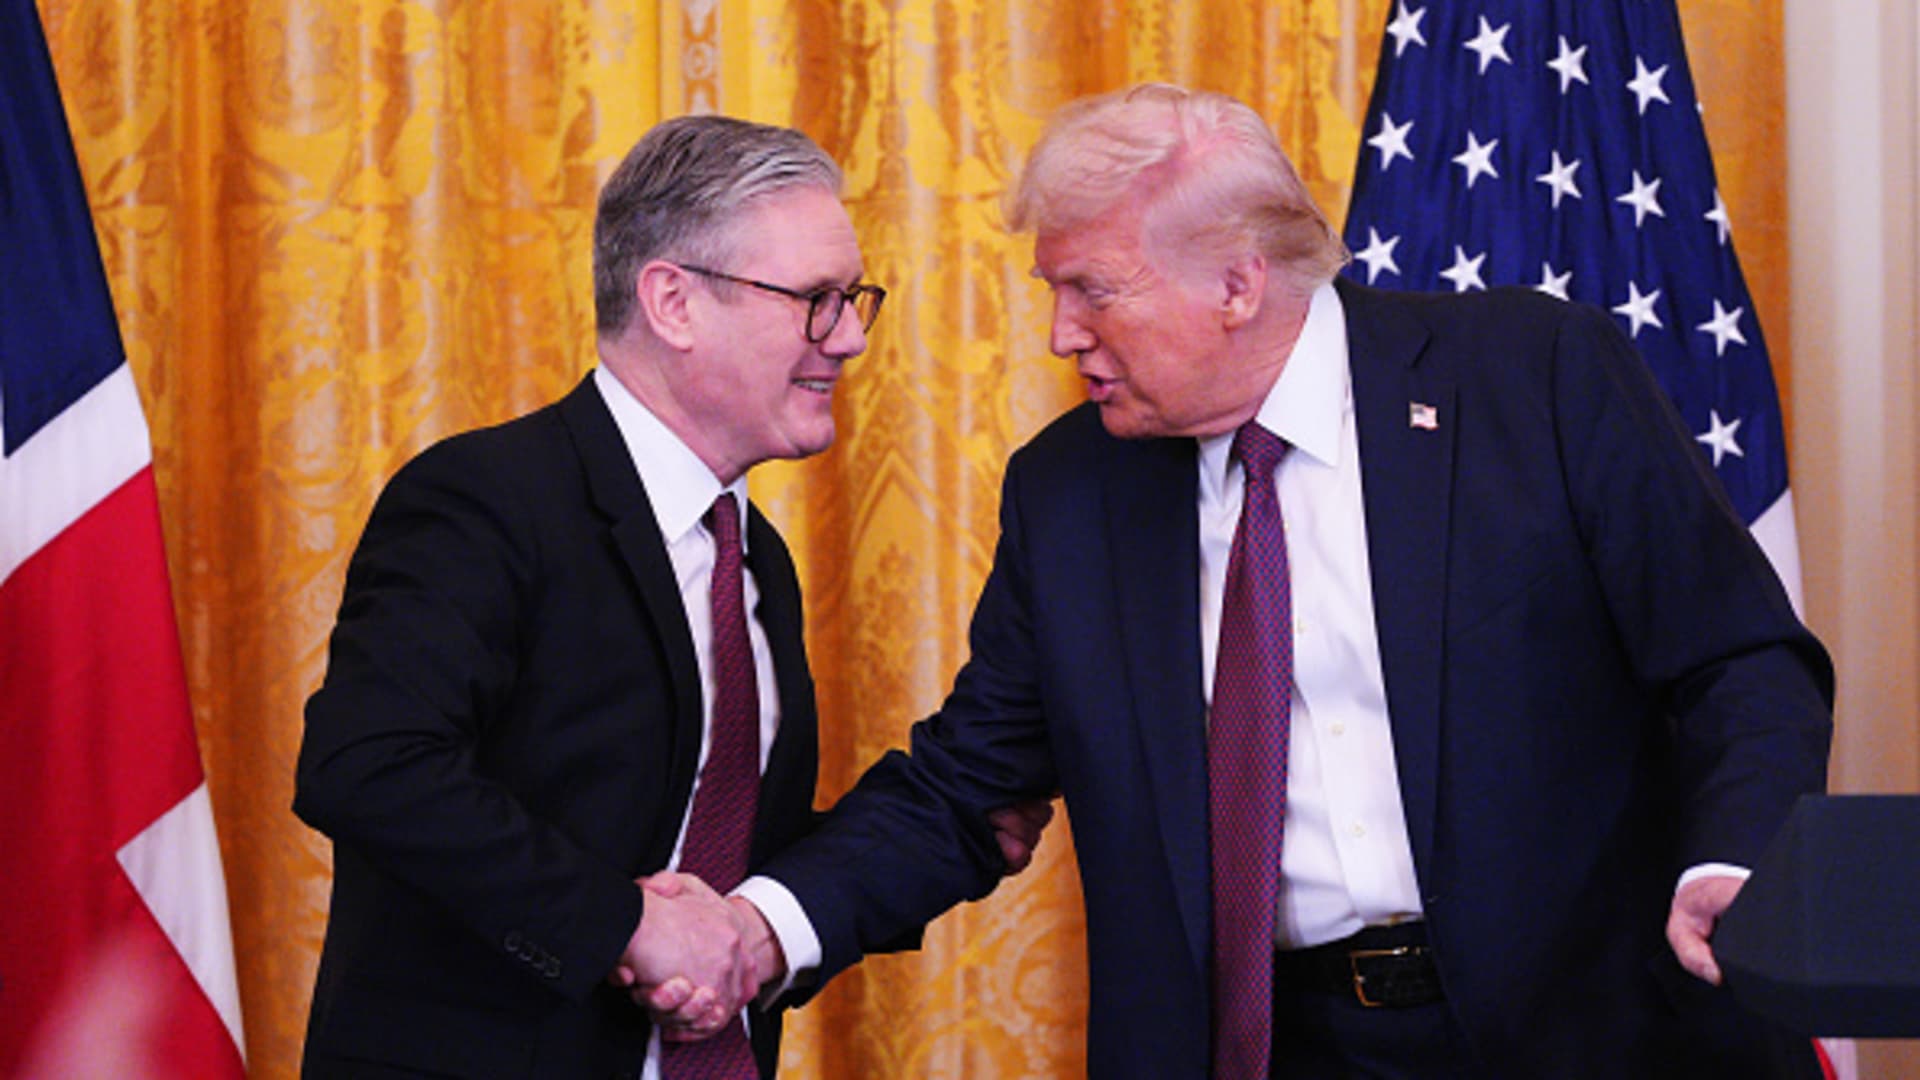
x=1354, y=957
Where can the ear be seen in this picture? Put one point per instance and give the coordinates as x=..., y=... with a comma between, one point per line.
x=1245, y=279
x=664, y=295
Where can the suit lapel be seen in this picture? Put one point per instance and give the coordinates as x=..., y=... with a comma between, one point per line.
x=1406, y=470
x=786, y=793
x=619, y=495
x=1151, y=503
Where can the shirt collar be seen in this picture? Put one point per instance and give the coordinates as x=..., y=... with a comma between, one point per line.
x=1308, y=403
x=679, y=485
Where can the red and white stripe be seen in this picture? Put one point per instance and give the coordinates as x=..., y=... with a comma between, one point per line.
x=111, y=869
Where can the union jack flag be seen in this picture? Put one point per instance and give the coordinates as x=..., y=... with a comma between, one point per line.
x=115, y=954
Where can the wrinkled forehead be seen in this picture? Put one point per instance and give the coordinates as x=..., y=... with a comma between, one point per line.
x=1131, y=232
x=1061, y=252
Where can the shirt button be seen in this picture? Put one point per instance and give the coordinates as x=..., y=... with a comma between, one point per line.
x=1338, y=727
x=1359, y=830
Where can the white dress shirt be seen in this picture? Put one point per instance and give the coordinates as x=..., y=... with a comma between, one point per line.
x=1345, y=860
x=682, y=489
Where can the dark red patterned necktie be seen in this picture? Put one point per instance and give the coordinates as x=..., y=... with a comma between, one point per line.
x=1247, y=764
x=720, y=827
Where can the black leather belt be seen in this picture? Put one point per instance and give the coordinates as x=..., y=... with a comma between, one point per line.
x=1382, y=966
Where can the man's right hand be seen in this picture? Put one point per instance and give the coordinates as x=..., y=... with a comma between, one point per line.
x=688, y=960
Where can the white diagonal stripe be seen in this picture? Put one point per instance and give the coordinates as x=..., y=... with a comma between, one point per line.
x=79, y=458
x=174, y=865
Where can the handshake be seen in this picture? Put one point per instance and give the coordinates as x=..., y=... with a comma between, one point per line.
x=698, y=957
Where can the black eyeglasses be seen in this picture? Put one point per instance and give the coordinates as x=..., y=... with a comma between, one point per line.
x=824, y=305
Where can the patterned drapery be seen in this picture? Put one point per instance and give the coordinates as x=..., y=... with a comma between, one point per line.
x=340, y=229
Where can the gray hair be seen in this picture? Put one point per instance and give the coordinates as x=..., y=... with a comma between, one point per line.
x=678, y=191
x=1215, y=178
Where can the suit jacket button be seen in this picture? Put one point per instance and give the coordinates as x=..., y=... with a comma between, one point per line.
x=512, y=941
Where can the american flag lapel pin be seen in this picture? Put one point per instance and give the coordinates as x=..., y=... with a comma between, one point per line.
x=1423, y=416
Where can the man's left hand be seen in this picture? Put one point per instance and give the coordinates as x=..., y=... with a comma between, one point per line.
x=1018, y=830
x=1697, y=907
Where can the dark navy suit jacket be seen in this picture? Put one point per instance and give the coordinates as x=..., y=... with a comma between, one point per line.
x=505, y=739
x=1594, y=679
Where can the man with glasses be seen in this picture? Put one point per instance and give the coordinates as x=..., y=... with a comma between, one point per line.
x=569, y=657
x=823, y=304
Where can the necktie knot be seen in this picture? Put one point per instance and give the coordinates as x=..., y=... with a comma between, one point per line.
x=1258, y=450
x=723, y=521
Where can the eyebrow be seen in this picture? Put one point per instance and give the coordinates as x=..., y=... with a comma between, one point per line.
x=820, y=283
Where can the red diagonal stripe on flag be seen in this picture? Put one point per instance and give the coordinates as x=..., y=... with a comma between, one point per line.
x=96, y=744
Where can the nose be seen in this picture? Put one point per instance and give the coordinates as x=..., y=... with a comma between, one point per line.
x=1069, y=335
x=848, y=338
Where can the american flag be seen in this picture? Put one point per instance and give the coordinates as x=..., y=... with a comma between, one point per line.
x=115, y=952
x=1560, y=146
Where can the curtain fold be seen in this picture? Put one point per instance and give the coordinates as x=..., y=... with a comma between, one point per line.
x=337, y=231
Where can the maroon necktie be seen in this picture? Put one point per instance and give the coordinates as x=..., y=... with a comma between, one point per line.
x=720, y=827
x=1247, y=764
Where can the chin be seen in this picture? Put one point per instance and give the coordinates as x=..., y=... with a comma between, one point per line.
x=814, y=442
x=1122, y=424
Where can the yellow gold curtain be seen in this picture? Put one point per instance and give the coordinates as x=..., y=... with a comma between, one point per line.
x=339, y=230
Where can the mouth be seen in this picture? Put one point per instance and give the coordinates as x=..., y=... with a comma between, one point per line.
x=815, y=386
x=1099, y=389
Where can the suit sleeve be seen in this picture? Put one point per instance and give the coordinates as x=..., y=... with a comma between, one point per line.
x=912, y=838
x=1746, y=688
x=422, y=662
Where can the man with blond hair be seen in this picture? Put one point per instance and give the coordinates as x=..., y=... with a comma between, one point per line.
x=1415, y=695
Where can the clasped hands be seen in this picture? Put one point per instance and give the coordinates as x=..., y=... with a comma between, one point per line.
x=697, y=957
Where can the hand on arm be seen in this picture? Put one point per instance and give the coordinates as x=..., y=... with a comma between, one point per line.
x=1697, y=907
x=1018, y=829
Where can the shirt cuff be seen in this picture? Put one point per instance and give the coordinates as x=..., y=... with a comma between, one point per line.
x=1712, y=869
x=799, y=942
